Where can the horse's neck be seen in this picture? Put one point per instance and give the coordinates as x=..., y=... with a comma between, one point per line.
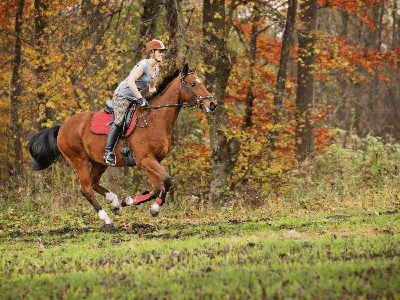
x=167, y=115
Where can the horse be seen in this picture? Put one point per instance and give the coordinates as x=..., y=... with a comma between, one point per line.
x=150, y=142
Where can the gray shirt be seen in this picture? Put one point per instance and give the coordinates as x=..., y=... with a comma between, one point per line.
x=142, y=82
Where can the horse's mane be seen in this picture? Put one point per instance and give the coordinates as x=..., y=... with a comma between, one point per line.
x=166, y=81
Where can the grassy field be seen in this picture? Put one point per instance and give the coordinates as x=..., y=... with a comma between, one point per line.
x=330, y=230
x=332, y=256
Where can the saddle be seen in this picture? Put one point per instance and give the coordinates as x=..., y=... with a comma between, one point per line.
x=101, y=120
x=100, y=125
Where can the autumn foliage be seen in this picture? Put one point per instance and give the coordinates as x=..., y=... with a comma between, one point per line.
x=86, y=48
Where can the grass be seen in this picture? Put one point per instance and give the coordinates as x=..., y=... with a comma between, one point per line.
x=335, y=257
x=328, y=229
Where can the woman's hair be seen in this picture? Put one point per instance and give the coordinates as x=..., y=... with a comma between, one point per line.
x=145, y=55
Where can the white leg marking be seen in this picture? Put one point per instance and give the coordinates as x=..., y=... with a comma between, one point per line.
x=128, y=200
x=155, y=209
x=103, y=216
x=111, y=197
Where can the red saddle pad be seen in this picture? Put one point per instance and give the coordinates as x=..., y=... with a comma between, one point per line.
x=101, y=119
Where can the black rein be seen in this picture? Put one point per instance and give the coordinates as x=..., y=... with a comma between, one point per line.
x=192, y=94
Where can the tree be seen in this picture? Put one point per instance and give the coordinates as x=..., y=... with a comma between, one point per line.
x=305, y=80
x=247, y=123
x=149, y=17
x=172, y=11
x=219, y=60
x=16, y=89
x=282, y=71
x=41, y=44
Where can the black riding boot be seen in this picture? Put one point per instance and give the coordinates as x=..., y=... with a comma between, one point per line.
x=112, y=138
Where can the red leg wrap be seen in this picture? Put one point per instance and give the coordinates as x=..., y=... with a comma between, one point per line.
x=140, y=199
x=161, y=197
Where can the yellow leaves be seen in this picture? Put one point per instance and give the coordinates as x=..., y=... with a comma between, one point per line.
x=50, y=104
x=344, y=64
x=48, y=124
x=217, y=16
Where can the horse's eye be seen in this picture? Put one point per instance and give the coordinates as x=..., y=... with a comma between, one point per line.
x=192, y=83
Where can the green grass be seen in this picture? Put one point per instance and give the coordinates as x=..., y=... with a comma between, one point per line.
x=329, y=230
x=308, y=257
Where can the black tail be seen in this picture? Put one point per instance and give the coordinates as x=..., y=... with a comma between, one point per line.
x=43, y=148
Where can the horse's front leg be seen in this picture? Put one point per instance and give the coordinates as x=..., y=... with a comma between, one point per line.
x=161, y=182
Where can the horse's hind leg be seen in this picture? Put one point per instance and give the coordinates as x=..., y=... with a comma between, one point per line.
x=81, y=167
x=95, y=175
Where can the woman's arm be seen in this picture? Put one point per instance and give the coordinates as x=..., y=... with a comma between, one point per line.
x=137, y=72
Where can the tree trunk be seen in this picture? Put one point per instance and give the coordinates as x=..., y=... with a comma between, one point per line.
x=219, y=60
x=41, y=42
x=150, y=14
x=253, y=50
x=172, y=8
x=282, y=72
x=16, y=90
x=305, y=81
x=394, y=16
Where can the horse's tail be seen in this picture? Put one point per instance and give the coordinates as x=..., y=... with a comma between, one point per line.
x=43, y=148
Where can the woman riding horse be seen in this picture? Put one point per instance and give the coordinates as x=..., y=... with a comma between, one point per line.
x=144, y=74
x=149, y=142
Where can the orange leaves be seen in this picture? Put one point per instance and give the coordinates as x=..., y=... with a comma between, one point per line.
x=350, y=6
x=368, y=20
x=359, y=8
x=336, y=55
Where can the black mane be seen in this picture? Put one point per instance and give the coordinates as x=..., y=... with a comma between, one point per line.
x=167, y=80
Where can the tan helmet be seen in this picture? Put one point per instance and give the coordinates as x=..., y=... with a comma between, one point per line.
x=155, y=45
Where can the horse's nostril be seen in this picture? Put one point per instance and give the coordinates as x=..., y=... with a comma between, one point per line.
x=213, y=106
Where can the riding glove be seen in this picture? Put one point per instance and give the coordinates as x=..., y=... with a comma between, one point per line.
x=143, y=102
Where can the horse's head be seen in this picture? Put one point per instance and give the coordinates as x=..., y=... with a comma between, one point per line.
x=193, y=91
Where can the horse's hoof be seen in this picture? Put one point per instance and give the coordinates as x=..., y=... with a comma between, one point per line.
x=154, y=210
x=127, y=201
x=115, y=210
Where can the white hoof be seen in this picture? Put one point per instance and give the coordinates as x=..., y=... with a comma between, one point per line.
x=155, y=210
x=111, y=197
x=104, y=217
x=128, y=201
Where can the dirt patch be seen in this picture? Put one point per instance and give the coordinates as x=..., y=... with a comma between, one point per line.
x=67, y=229
x=209, y=229
x=141, y=228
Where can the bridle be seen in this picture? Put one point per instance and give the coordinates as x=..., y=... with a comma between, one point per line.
x=198, y=100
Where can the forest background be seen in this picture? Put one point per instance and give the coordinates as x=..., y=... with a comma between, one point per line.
x=308, y=94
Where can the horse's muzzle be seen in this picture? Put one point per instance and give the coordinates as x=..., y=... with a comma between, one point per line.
x=211, y=108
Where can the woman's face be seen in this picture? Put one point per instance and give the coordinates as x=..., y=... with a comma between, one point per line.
x=158, y=55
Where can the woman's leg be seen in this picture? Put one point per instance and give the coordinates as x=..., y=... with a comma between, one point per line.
x=120, y=106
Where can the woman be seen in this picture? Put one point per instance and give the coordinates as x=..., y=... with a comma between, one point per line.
x=144, y=74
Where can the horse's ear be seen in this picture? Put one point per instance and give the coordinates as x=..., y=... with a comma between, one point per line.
x=185, y=69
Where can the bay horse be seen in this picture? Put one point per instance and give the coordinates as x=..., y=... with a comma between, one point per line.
x=150, y=142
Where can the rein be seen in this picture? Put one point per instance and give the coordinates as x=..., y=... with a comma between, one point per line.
x=192, y=94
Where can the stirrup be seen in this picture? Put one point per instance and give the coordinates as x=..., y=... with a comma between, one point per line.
x=110, y=159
